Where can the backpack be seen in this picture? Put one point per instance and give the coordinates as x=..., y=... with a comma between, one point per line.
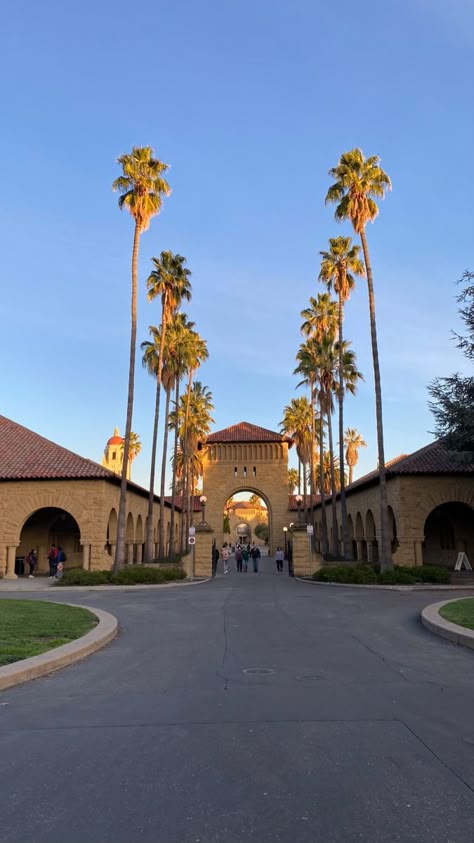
x=238, y=556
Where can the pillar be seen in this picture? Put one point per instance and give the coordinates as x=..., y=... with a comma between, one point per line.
x=86, y=557
x=139, y=553
x=360, y=549
x=3, y=560
x=11, y=555
x=370, y=551
x=129, y=554
x=301, y=551
x=418, y=552
x=203, y=550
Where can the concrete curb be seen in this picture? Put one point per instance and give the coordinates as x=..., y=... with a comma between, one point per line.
x=54, y=589
x=421, y=587
x=23, y=671
x=433, y=621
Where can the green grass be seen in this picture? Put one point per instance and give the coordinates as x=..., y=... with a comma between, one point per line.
x=460, y=612
x=28, y=627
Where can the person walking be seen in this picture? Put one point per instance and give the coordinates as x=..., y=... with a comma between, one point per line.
x=225, y=557
x=255, y=554
x=245, y=559
x=52, y=560
x=238, y=559
x=32, y=562
x=215, y=558
x=279, y=557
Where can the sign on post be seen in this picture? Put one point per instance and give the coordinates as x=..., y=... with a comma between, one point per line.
x=192, y=531
x=309, y=529
x=462, y=560
x=191, y=539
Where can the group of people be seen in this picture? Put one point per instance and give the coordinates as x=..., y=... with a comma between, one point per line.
x=243, y=554
x=56, y=560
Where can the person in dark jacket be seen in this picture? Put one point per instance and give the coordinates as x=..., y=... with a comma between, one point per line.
x=255, y=554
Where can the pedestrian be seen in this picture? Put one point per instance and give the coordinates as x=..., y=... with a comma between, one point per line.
x=245, y=559
x=32, y=562
x=238, y=559
x=52, y=554
x=215, y=558
x=225, y=557
x=60, y=560
x=279, y=556
x=255, y=553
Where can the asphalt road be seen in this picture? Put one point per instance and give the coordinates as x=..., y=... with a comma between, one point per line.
x=363, y=731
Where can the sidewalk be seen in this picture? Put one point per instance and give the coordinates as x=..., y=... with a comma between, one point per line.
x=25, y=584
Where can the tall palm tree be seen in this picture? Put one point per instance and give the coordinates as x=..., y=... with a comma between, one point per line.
x=357, y=181
x=320, y=318
x=330, y=468
x=142, y=188
x=170, y=281
x=296, y=423
x=134, y=449
x=307, y=366
x=353, y=441
x=292, y=480
x=196, y=354
x=339, y=265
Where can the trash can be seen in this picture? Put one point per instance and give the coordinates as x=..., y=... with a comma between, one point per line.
x=20, y=566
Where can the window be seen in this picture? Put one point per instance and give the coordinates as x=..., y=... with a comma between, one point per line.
x=114, y=455
x=235, y=471
x=254, y=471
x=245, y=471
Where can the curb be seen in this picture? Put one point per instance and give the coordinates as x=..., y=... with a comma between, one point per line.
x=433, y=621
x=36, y=666
x=421, y=587
x=55, y=589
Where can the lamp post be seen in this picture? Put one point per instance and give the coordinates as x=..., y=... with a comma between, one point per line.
x=299, y=500
x=203, y=501
x=285, y=531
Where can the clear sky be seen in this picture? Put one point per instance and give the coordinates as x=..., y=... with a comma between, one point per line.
x=250, y=102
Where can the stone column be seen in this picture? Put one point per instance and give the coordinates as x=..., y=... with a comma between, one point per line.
x=139, y=554
x=359, y=549
x=3, y=560
x=86, y=557
x=301, y=551
x=129, y=554
x=11, y=555
x=370, y=551
x=203, y=550
x=418, y=552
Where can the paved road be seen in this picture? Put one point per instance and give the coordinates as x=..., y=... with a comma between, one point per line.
x=362, y=732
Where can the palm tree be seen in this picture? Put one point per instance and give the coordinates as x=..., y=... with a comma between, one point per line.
x=296, y=423
x=196, y=353
x=141, y=187
x=357, y=181
x=170, y=281
x=307, y=366
x=331, y=467
x=292, y=480
x=320, y=318
x=338, y=267
x=353, y=441
x=134, y=449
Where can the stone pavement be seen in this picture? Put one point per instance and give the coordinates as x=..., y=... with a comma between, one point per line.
x=253, y=708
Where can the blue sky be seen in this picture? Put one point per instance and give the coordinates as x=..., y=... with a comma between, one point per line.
x=250, y=103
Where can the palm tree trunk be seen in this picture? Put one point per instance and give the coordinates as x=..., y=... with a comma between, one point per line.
x=299, y=476
x=185, y=449
x=151, y=493
x=313, y=444
x=119, y=560
x=346, y=542
x=335, y=537
x=324, y=520
x=351, y=471
x=173, y=482
x=161, y=546
x=385, y=557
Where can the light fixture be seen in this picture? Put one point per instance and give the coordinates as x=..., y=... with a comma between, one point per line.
x=203, y=501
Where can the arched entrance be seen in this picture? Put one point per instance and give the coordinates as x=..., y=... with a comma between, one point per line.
x=247, y=458
x=247, y=518
x=449, y=529
x=47, y=526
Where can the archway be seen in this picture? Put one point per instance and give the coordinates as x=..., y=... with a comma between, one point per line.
x=371, y=537
x=111, y=532
x=247, y=518
x=46, y=526
x=361, y=555
x=449, y=530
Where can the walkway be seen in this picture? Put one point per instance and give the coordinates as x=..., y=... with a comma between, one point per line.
x=362, y=731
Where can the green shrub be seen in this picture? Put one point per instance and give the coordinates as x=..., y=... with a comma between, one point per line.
x=130, y=575
x=433, y=573
x=365, y=574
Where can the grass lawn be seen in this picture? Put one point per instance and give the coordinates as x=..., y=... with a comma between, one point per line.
x=461, y=612
x=28, y=628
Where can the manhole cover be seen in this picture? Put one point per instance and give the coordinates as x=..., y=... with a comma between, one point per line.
x=258, y=671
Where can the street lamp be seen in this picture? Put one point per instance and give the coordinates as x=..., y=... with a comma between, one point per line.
x=203, y=501
x=299, y=501
x=285, y=530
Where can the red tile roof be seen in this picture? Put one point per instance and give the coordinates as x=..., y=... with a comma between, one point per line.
x=24, y=455
x=246, y=432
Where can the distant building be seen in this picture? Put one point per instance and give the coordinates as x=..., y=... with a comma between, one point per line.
x=113, y=454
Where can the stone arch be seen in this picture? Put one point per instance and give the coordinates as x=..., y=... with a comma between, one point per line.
x=28, y=504
x=51, y=525
x=139, y=530
x=369, y=525
x=253, y=490
x=352, y=540
x=392, y=526
x=448, y=530
x=371, y=537
x=451, y=492
x=361, y=543
x=359, y=527
x=111, y=536
x=129, y=528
